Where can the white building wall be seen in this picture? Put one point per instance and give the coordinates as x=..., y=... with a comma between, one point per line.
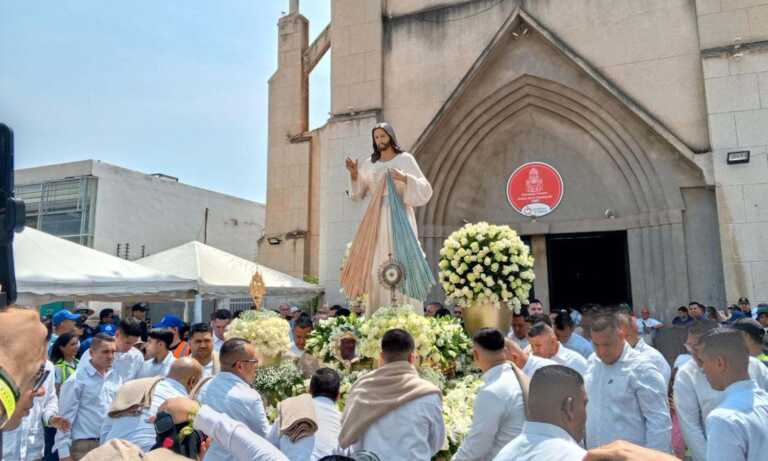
x=140, y=209
x=736, y=82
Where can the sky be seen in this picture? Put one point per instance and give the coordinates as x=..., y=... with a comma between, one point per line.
x=174, y=86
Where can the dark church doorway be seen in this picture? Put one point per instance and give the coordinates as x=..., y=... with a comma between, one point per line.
x=588, y=268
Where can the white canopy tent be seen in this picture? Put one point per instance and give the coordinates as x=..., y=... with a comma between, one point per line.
x=219, y=274
x=51, y=268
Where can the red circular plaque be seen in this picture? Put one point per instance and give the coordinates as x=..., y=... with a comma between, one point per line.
x=535, y=189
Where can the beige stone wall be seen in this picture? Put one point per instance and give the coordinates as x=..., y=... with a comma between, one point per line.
x=356, y=77
x=737, y=104
x=648, y=49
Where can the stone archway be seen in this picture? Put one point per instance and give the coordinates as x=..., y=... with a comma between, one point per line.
x=528, y=98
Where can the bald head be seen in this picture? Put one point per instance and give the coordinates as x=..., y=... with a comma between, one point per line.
x=514, y=353
x=557, y=397
x=187, y=371
x=22, y=359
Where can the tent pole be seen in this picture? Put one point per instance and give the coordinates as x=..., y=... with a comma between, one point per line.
x=198, y=310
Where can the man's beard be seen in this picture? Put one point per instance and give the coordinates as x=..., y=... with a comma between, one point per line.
x=383, y=146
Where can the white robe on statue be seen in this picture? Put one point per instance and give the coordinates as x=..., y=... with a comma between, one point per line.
x=415, y=192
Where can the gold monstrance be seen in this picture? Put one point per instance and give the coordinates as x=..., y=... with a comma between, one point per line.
x=257, y=290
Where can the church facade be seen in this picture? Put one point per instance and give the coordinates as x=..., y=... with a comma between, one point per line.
x=653, y=112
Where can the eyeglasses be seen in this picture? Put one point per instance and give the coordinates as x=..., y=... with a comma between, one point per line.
x=248, y=361
x=39, y=378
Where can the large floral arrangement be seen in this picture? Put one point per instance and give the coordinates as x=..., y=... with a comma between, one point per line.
x=451, y=347
x=458, y=405
x=323, y=342
x=485, y=262
x=268, y=332
x=391, y=317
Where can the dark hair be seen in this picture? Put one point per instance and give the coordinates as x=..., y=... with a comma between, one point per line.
x=105, y=312
x=551, y=384
x=539, y=318
x=325, y=382
x=101, y=338
x=221, y=314
x=752, y=328
x=535, y=300
x=605, y=322
x=538, y=328
x=376, y=155
x=438, y=304
x=342, y=312
x=200, y=328
x=702, y=327
x=489, y=339
x=60, y=342
x=304, y=321
x=682, y=309
x=129, y=327
x=397, y=344
x=696, y=303
x=728, y=343
x=139, y=307
x=563, y=320
x=163, y=335
x=336, y=307
x=443, y=312
x=231, y=349
x=523, y=313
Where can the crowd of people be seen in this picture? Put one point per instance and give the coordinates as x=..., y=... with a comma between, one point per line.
x=564, y=385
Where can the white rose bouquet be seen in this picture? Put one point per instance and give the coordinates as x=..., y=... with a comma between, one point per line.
x=451, y=347
x=485, y=262
x=458, y=406
x=388, y=318
x=268, y=332
x=323, y=342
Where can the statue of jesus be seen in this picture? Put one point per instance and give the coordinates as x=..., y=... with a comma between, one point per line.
x=373, y=244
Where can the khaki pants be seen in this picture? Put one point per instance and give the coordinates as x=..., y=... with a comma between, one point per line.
x=80, y=448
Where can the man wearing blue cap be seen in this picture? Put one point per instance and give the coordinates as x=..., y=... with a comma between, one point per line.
x=63, y=322
x=178, y=348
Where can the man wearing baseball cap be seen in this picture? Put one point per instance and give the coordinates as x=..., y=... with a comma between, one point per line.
x=745, y=307
x=63, y=322
x=178, y=347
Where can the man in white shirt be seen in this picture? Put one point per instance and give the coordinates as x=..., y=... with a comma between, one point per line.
x=627, y=394
x=557, y=414
x=85, y=399
x=648, y=326
x=301, y=330
x=694, y=396
x=736, y=429
x=628, y=325
x=523, y=359
x=324, y=388
x=159, y=356
x=220, y=320
x=230, y=392
x=520, y=327
x=201, y=347
x=27, y=441
x=183, y=376
x=564, y=330
x=499, y=410
x=544, y=344
x=391, y=411
x=128, y=360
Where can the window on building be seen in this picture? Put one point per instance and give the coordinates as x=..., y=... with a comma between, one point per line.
x=63, y=208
